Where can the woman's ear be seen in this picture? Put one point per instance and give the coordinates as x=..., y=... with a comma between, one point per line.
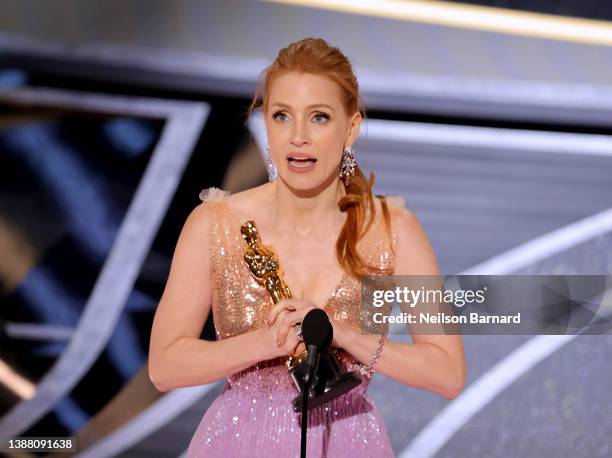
x=354, y=124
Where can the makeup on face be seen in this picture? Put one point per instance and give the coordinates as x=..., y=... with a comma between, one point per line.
x=302, y=132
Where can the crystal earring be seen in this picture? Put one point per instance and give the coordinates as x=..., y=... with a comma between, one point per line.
x=272, y=172
x=347, y=165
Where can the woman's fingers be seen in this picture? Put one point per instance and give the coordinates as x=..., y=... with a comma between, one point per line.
x=289, y=320
x=286, y=324
x=285, y=304
x=275, y=310
x=291, y=344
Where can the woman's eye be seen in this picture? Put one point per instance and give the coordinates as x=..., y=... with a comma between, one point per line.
x=321, y=117
x=318, y=117
x=279, y=115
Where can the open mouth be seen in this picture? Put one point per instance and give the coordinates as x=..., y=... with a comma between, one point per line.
x=301, y=162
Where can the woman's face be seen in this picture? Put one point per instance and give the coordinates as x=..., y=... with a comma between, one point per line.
x=305, y=117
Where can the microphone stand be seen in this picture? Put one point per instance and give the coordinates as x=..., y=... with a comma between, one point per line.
x=310, y=379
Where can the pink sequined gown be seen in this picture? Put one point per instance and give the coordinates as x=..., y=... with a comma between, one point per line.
x=253, y=416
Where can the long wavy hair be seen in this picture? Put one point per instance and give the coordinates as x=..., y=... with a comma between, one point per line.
x=315, y=56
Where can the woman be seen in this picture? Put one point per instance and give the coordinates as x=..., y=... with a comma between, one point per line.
x=327, y=229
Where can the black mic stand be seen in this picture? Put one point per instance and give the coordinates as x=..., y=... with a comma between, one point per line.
x=310, y=380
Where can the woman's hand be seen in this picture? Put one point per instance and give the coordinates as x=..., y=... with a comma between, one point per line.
x=271, y=349
x=288, y=312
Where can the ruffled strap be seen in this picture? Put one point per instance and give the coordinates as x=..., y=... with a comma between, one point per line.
x=395, y=201
x=213, y=194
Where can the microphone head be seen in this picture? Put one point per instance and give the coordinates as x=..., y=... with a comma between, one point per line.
x=317, y=330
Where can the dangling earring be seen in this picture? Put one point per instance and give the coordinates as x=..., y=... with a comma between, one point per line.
x=347, y=165
x=272, y=172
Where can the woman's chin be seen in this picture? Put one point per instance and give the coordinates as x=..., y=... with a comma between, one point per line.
x=306, y=182
x=303, y=186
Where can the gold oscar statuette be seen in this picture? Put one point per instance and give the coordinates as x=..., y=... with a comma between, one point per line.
x=264, y=265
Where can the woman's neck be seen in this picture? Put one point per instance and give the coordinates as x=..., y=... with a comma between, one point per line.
x=306, y=213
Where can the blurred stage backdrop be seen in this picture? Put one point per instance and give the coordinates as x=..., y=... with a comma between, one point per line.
x=495, y=124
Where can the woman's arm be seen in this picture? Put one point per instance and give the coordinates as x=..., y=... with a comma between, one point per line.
x=177, y=355
x=432, y=362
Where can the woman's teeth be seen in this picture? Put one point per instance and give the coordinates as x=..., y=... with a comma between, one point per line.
x=302, y=162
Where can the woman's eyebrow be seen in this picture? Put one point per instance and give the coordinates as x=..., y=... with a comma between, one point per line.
x=314, y=105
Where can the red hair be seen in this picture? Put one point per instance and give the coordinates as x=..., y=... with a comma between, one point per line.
x=315, y=56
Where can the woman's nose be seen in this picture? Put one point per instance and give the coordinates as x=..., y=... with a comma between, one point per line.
x=299, y=135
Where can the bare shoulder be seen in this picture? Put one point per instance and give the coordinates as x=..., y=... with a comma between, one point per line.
x=201, y=216
x=414, y=251
x=215, y=199
x=196, y=228
x=396, y=205
x=250, y=201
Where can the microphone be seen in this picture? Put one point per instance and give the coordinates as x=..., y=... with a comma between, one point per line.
x=321, y=374
x=317, y=330
x=318, y=334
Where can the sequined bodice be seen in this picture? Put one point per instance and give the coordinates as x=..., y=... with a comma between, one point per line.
x=240, y=304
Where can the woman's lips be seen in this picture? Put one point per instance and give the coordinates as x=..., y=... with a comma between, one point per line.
x=301, y=166
x=300, y=155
